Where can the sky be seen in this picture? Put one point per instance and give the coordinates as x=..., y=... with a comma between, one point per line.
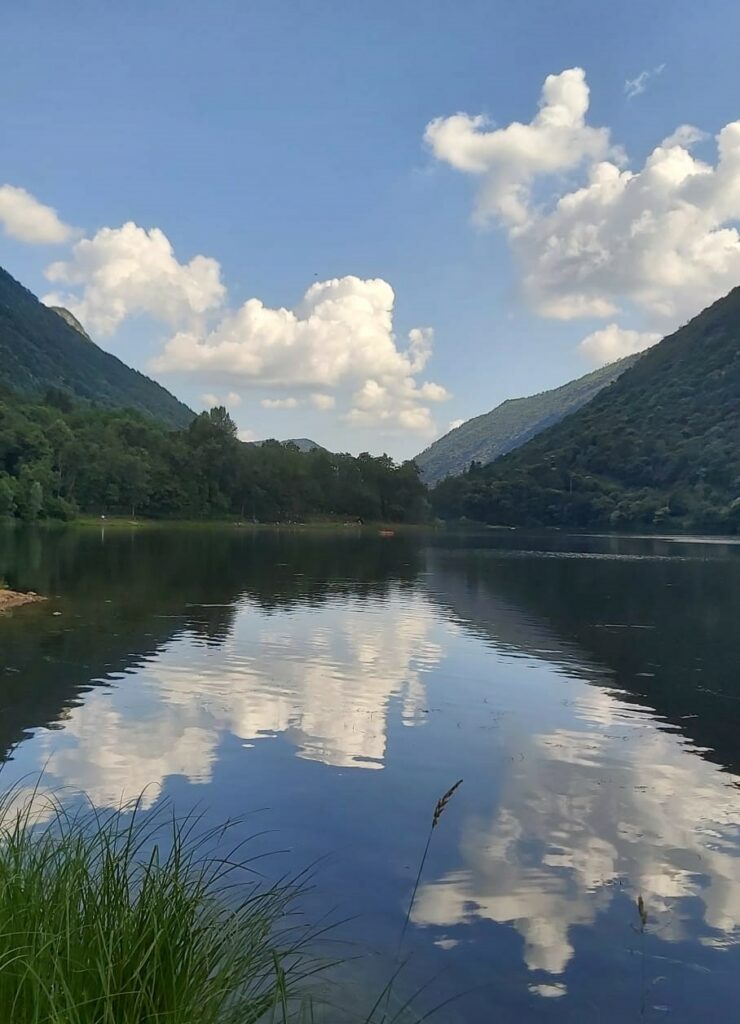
x=362, y=223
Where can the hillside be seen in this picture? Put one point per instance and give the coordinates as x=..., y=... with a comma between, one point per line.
x=511, y=424
x=303, y=444
x=41, y=348
x=661, y=447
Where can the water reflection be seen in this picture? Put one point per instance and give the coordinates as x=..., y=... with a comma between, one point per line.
x=326, y=679
x=599, y=806
x=586, y=691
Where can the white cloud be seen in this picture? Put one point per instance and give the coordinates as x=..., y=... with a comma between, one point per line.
x=339, y=337
x=231, y=401
x=509, y=159
x=396, y=405
x=126, y=271
x=246, y=435
x=613, y=342
x=334, y=345
x=24, y=218
x=322, y=401
x=454, y=424
x=685, y=135
x=662, y=239
x=279, y=403
x=637, y=85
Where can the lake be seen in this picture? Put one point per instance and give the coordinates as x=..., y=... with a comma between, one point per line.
x=586, y=689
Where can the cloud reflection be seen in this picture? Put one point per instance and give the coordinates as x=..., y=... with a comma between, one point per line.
x=609, y=803
x=326, y=678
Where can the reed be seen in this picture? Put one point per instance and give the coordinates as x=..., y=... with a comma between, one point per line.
x=383, y=1003
x=121, y=918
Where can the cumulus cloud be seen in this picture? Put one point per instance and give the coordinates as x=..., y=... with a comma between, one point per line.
x=661, y=239
x=322, y=402
x=279, y=403
x=126, y=271
x=637, y=85
x=232, y=400
x=336, y=346
x=685, y=135
x=340, y=336
x=614, y=342
x=509, y=159
x=396, y=404
x=26, y=219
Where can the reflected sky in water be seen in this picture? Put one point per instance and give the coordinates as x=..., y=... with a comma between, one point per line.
x=586, y=689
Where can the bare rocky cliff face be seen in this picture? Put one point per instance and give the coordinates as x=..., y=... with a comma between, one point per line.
x=72, y=320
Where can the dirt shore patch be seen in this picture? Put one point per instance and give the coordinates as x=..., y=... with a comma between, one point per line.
x=12, y=599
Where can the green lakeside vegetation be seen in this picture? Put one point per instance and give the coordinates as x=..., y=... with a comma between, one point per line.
x=122, y=917
x=60, y=459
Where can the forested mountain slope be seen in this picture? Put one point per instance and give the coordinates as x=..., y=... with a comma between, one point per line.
x=511, y=424
x=40, y=348
x=660, y=447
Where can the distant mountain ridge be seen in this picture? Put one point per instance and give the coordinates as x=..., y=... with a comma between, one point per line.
x=303, y=444
x=660, y=447
x=42, y=348
x=511, y=424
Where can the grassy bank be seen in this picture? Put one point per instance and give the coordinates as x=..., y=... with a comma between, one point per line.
x=318, y=524
x=126, y=917
x=118, y=918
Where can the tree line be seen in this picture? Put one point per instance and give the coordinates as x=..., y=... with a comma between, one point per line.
x=59, y=459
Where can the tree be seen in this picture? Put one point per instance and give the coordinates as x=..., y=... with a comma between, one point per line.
x=7, y=497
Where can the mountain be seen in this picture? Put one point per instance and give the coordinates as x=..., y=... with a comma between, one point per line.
x=484, y=438
x=71, y=319
x=42, y=348
x=660, y=447
x=303, y=444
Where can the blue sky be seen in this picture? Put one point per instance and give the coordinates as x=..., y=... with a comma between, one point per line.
x=285, y=143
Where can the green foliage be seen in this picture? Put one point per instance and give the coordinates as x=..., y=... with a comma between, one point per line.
x=57, y=459
x=7, y=497
x=511, y=424
x=118, y=918
x=659, y=448
x=41, y=350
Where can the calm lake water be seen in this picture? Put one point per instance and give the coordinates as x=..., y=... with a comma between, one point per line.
x=587, y=690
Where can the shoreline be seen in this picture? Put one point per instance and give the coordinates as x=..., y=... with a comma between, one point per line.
x=13, y=599
x=328, y=525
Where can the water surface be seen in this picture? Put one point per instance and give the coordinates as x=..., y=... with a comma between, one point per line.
x=585, y=688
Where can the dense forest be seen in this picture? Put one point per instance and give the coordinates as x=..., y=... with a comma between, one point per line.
x=659, y=448
x=511, y=424
x=44, y=348
x=59, y=458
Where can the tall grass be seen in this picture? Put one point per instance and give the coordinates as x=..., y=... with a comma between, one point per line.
x=119, y=918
